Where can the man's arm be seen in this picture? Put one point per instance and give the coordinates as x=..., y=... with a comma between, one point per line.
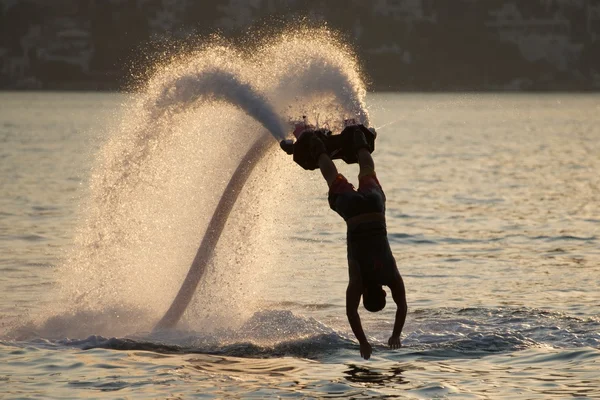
x=399, y=295
x=353, y=294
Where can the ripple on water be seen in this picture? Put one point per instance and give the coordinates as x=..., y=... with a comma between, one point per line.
x=461, y=353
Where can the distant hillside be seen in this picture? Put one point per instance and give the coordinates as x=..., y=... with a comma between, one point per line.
x=403, y=45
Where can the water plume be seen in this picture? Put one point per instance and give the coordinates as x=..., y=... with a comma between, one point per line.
x=216, y=84
x=319, y=76
x=162, y=171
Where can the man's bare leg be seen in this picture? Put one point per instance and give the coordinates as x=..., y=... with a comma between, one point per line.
x=365, y=162
x=328, y=168
x=330, y=172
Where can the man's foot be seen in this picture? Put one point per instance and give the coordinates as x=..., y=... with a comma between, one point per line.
x=359, y=141
x=317, y=147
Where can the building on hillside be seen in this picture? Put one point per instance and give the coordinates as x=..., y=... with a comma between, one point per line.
x=509, y=22
x=239, y=13
x=408, y=11
x=72, y=45
x=167, y=17
x=593, y=20
x=538, y=39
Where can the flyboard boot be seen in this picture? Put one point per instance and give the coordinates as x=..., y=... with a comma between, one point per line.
x=337, y=146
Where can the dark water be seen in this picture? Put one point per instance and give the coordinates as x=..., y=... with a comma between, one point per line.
x=493, y=214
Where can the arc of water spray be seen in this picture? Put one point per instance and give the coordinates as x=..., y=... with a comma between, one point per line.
x=319, y=76
x=223, y=85
x=213, y=233
x=219, y=84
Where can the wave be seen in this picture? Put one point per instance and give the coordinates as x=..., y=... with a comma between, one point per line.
x=312, y=347
x=422, y=239
x=439, y=332
x=480, y=330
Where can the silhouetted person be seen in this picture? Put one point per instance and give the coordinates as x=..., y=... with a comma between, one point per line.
x=371, y=263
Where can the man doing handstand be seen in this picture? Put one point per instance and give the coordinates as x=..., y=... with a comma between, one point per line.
x=371, y=263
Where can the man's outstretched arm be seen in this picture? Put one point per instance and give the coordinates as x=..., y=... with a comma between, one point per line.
x=399, y=296
x=353, y=294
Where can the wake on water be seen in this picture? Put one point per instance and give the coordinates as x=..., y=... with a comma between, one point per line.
x=433, y=333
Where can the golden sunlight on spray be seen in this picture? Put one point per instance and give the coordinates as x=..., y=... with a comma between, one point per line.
x=160, y=173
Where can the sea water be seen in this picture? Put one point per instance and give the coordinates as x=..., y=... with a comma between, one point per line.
x=493, y=210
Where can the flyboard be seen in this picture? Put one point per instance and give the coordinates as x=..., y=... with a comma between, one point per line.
x=339, y=146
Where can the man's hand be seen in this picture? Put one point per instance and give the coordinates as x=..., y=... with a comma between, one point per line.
x=399, y=295
x=365, y=350
x=353, y=294
x=394, y=342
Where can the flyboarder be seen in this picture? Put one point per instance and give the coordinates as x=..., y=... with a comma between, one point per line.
x=371, y=263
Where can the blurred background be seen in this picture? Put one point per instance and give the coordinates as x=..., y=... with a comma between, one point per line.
x=403, y=45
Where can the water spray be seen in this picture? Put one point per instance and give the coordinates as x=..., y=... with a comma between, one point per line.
x=221, y=85
x=213, y=233
x=154, y=179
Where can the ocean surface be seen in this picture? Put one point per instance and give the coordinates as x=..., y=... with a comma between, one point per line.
x=493, y=211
